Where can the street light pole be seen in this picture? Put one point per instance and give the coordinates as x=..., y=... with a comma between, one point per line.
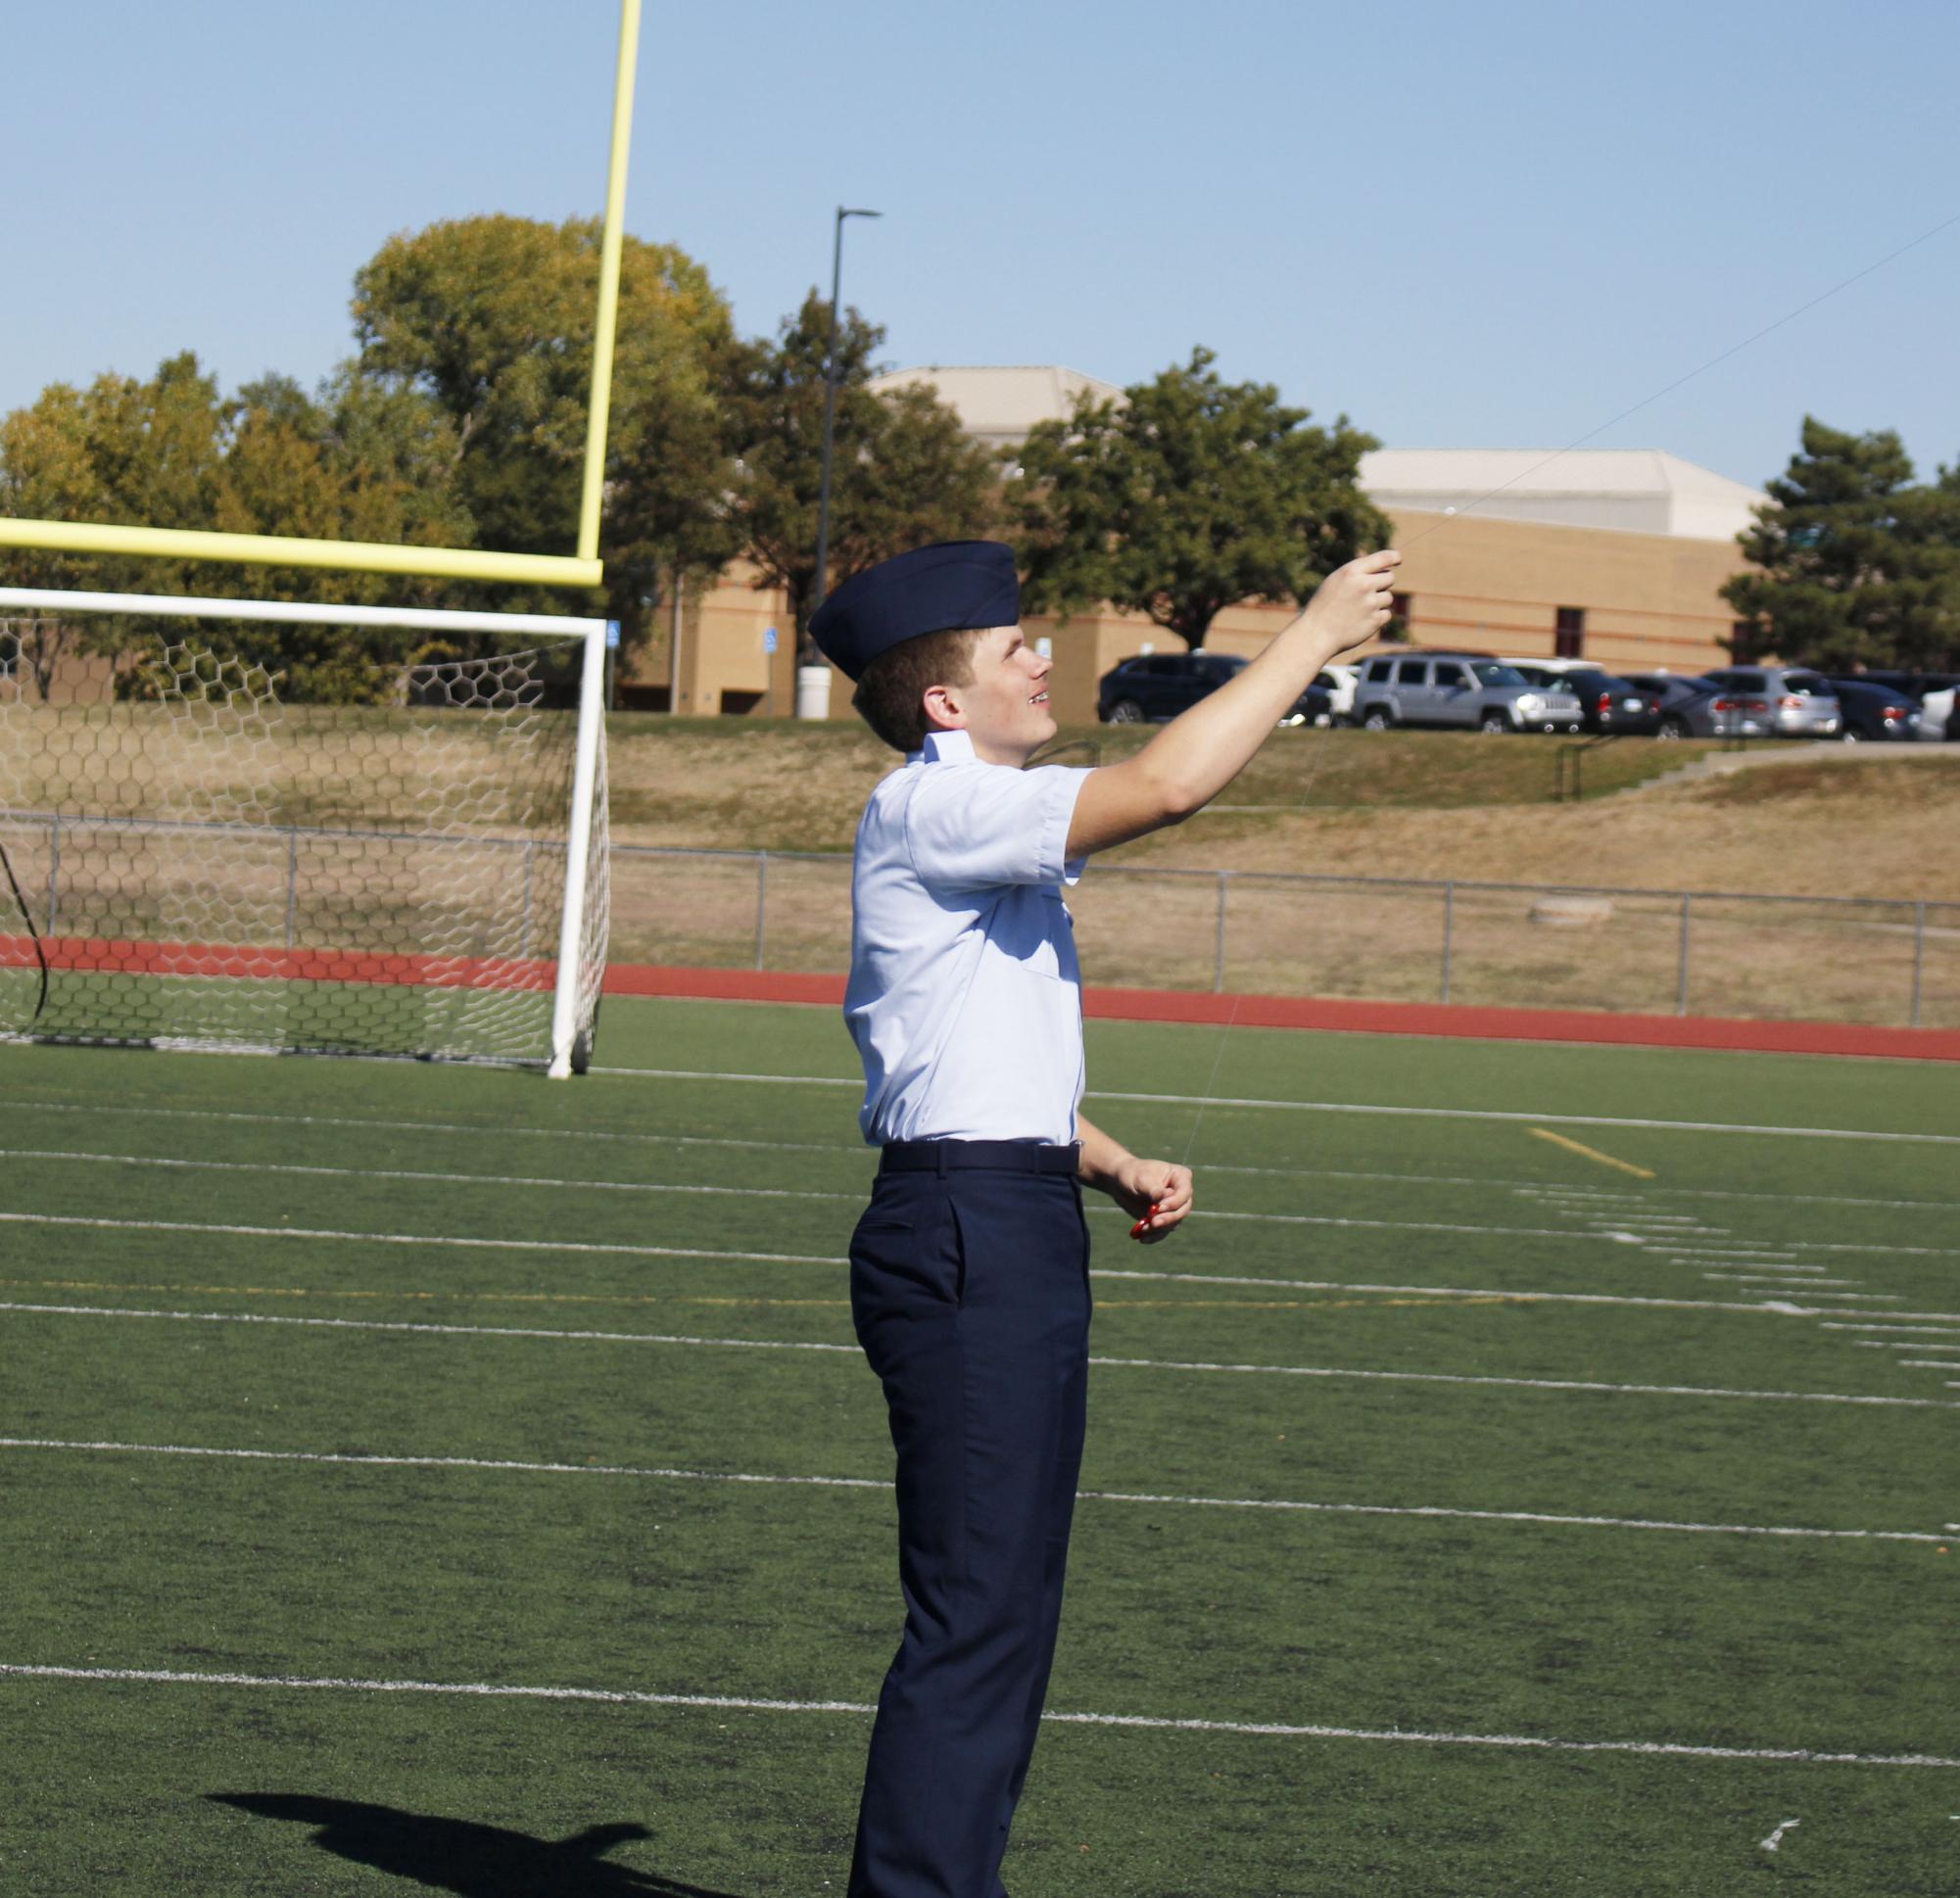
x=830, y=401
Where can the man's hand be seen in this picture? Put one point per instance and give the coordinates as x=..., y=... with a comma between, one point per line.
x=1154, y=1193
x=1354, y=603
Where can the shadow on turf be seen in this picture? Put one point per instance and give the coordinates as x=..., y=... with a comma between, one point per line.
x=473, y=1861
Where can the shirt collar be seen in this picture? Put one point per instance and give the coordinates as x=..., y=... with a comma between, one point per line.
x=947, y=747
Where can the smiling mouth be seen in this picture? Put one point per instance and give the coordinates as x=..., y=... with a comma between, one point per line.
x=1040, y=698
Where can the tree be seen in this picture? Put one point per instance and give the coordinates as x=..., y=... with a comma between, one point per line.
x=355, y=463
x=493, y=319
x=1858, y=567
x=903, y=472
x=1187, y=496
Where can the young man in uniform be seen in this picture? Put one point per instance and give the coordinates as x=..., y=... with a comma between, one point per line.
x=970, y=1267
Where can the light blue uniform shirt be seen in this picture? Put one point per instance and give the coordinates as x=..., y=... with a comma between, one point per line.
x=965, y=996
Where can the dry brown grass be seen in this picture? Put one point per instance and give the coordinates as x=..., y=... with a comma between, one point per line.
x=1394, y=804
x=1363, y=806
x=1881, y=828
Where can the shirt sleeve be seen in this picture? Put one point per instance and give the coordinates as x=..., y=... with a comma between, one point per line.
x=975, y=827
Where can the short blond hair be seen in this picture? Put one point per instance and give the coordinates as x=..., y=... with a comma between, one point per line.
x=890, y=698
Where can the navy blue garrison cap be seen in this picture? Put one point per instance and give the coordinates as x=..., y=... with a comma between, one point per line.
x=930, y=590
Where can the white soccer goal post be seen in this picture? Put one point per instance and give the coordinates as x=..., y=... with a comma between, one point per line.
x=273, y=825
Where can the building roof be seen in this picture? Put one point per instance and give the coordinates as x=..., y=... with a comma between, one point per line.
x=1639, y=491
x=1634, y=490
x=998, y=404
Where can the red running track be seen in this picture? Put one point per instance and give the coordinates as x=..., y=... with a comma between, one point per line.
x=1359, y=1018
x=79, y=953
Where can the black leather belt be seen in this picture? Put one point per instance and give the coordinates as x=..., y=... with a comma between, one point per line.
x=1006, y=1156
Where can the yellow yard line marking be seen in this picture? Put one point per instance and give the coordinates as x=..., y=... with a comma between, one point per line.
x=1592, y=1153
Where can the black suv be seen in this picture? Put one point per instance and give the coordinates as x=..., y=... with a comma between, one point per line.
x=1159, y=685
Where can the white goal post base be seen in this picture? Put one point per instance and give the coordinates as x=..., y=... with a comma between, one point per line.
x=275, y=825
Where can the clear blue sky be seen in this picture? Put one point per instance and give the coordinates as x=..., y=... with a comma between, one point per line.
x=1463, y=225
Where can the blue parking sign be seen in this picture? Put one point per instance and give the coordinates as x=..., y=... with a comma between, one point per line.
x=769, y=639
x=612, y=635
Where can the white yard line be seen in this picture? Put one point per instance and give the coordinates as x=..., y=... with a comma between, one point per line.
x=1493, y=1295
x=1885, y=1252
x=415, y=1239
x=99, y=1110
x=694, y=1253
x=285, y=1168
x=1917, y=1331
x=1265, y=1730
x=1194, y=1366
x=1346, y=1106
x=667, y=1475
x=856, y=1151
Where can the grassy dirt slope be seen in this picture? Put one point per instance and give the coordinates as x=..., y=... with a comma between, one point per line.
x=1394, y=804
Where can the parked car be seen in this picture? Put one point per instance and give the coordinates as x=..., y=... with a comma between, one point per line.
x=1932, y=691
x=1780, y=701
x=1875, y=712
x=1159, y=685
x=1314, y=706
x=1689, y=706
x=1338, y=682
x=1447, y=689
x=1609, y=704
x=1153, y=686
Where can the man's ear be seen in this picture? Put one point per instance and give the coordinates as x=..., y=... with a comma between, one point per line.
x=945, y=709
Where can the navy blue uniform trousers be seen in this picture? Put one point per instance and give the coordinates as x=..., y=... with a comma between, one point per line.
x=970, y=1291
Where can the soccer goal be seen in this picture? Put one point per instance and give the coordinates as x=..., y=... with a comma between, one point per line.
x=278, y=826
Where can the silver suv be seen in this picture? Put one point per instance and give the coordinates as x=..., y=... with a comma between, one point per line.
x=1779, y=702
x=1449, y=689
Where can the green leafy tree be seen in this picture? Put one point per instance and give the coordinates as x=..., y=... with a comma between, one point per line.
x=1856, y=566
x=358, y=462
x=1189, y=495
x=902, y=473
x=493, y=319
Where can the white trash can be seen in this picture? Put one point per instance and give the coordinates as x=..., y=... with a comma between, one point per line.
x=813, y=691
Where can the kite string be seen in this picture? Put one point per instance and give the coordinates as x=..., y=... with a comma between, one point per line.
x=1789, y=316
x=1734, y=348
x=1212, y=1080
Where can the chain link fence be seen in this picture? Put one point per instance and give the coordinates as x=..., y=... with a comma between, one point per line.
x=1864, y=959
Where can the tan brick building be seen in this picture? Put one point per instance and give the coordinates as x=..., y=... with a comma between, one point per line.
x=1613, y=555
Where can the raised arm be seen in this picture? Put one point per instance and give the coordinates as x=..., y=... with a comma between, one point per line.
x=1199, y=753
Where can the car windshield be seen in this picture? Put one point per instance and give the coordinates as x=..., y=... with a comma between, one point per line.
x=1489, y=672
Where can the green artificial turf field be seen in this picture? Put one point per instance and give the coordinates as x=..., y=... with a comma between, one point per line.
x=1561, y=1500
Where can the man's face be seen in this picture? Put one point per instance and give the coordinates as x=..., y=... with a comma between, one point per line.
x=1005, y=710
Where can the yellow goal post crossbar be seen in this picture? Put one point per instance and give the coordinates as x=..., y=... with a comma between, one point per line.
x=582, y=569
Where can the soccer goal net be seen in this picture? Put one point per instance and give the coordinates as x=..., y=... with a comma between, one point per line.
x=260, y=824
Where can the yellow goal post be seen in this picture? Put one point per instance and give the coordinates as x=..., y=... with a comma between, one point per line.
x=582, y=569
